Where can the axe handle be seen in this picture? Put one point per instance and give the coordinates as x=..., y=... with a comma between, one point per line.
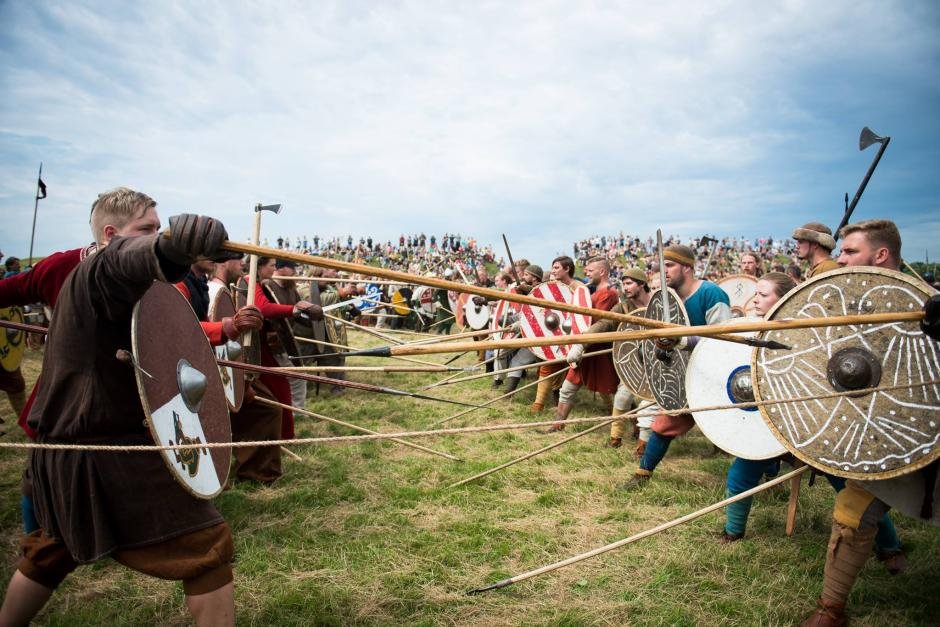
x=861, y=188
x=253, y=269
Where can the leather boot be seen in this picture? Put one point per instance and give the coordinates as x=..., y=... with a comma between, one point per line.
x=511, y=384
x=827, y=615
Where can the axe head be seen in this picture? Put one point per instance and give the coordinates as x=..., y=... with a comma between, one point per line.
x=867, y=138
x=272, y=208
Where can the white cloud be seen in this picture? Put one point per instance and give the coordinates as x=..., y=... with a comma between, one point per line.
x=547, y=121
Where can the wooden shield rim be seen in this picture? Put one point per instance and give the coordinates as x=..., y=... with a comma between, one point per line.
x=148, y=413
x=925, y=460
x=18, y=351
x=628, y=326
x=238, y=376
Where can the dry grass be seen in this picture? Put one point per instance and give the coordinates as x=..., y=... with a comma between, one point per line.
x=367, y=534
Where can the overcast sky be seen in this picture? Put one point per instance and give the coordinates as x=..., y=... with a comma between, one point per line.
x=547, y=121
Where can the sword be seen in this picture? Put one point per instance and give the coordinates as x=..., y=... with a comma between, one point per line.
x=512, y=264
x=663, y=286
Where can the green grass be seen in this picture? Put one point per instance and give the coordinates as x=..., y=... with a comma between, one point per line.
x=368, y=534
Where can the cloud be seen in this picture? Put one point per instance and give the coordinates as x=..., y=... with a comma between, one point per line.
x=547, y=121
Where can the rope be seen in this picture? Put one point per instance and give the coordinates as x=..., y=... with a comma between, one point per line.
x=449, y=431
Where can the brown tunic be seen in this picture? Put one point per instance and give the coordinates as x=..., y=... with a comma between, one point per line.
x=98, y=502
x=823, y=266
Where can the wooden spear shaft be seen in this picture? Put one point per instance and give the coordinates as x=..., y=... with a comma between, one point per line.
x=349, y=425
x=487, y=292
x=545, y=449
x=649, y=334
x=643, y=534
x=551, y=362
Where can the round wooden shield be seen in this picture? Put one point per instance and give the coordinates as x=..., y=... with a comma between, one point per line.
x=171, y=348
x=906, y=494
x=233, y=380
x=283, y=330
x=423, y=298
x=336, y=335
x=401, y=301
x=504, y=313
x=719, y=373
x=251, y=345
x=666, y=378
x=12, y=342
x=878, y=435
x=538, y=322
x=370, y=300
x=476, y=316
x=628, y=360
x=740, y=289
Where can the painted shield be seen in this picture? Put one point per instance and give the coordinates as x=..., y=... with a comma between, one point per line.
x=878, y=435
x=460, y=311
x=401, y=301
x=370, y=300
x=906, y=494
x=12, y=342
x=504, y=314
x=233, y=380
x=181, y=390
x=628, y=360
x=423, y=298
x=476, y=316
x=719, y=373
x=282, y=329
x=539, y=322
x=666, y=377
x=740, y=289
x=251, y=342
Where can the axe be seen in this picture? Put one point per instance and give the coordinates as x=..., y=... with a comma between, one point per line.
x=866, y=139
x=705, y=241
x=253, y=261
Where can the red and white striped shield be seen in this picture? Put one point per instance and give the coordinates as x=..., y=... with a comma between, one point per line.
x=533, y=317
x=502, y=312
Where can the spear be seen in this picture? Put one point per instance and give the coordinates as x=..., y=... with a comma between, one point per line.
x=490, y=293
x=349, y=425
x=482, y=375
x=366, y=387
x=649, y=334
x=643, y=534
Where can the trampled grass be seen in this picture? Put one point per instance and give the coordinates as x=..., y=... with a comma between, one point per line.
x=368, y=534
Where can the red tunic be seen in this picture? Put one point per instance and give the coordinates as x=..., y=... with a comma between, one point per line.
x=278, y=385
x=598, y=373
x=213, y=330
x=41, y=284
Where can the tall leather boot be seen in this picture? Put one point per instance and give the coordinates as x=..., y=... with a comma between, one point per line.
x=561, y=414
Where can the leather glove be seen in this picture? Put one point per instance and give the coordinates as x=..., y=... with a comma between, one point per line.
x=574, y=355
x=245, y=319
x=930, y=325
x=516, y=327
x=193, y=236
x=314, y=312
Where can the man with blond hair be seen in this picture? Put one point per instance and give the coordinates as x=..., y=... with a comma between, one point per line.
x=92, y=504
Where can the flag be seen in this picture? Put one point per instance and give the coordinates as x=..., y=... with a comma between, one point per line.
x=42, y=189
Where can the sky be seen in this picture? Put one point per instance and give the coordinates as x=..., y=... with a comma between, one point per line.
x=547, y=121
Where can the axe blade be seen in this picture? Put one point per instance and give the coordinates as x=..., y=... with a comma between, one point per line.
x=272, y=208
x=867, y=138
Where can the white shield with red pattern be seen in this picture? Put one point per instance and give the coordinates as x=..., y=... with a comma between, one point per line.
x=533, y=318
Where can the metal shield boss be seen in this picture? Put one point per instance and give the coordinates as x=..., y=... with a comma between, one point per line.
x=12, y=342
x=233, y=380
x=666, y=376
x=740, y=289
x=181, y=390
x=629, y=362
x=538, y=322
x=878, y=435
x=719, y=373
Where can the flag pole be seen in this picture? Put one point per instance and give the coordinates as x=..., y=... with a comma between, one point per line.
x=40, y=188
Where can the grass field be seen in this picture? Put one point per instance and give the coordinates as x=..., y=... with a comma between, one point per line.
x=368, y=534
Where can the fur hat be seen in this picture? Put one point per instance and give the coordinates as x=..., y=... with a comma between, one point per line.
x=680, y=254
x=535, y=270
x=635, y=274
x=816, y=232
